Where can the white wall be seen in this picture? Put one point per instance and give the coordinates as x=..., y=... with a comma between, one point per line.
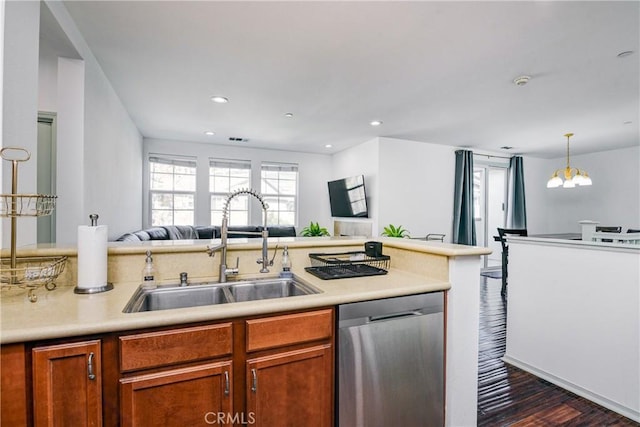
x=100, y=173
x=314, y=170
x=47, y=78
x=408, y=183
x=363, y=159
x=20, y=99
x=613, y=199
x=2, y=167
x=575, y=321
x=416, y=186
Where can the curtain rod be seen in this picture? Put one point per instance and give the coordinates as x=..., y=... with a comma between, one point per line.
x=491, y=155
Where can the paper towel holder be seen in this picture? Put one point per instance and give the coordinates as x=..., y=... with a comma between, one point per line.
x=95, y=289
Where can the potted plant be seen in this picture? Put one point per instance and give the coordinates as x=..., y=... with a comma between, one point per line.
x=393, y=231
x=314, y=230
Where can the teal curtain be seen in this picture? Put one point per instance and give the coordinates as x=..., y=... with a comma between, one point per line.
x=464, y=226
x=516, y=203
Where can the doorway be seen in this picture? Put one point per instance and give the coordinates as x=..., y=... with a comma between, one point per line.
x=46, y=175
x=489, y=198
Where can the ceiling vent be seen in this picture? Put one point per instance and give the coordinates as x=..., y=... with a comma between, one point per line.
x=235, y=139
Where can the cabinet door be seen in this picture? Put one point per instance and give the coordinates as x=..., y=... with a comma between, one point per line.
x=195, y=395
x=293, y=388
x=67, y=387
x=13, y=385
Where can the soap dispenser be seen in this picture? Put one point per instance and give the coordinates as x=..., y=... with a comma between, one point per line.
x=286, y=263
x=149, y=273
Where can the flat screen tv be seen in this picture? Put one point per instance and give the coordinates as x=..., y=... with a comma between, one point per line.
x=348, y=198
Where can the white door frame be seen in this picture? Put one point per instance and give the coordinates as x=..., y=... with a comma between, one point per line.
x=487, y=166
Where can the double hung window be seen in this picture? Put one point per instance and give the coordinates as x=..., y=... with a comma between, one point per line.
x=172, y=189
x=279, y=187
x=227, y=176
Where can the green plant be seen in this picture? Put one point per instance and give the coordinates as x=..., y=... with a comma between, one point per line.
x=313, y=230
x=393, y=231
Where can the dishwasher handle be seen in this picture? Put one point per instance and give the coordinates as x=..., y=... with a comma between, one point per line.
x=395, y=315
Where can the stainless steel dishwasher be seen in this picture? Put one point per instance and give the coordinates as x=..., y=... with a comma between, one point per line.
x=391, y=362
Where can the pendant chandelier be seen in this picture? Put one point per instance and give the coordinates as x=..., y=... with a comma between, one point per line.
x=572, y=176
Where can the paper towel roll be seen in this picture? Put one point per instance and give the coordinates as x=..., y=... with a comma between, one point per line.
x=92, y=256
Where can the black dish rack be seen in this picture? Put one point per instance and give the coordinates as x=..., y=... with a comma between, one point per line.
x=347, y=264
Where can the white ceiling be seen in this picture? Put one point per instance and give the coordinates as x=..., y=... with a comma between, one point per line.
x=438, y=72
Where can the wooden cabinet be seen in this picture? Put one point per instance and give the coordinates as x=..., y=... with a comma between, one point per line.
x=175, y=378
x=67, y=384
x=291, y=383
x=291, y=388
x=13, y=385
x=266, y=371
x=282, y=366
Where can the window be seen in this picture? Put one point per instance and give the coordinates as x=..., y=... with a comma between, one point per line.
x=279, y=187
x=227, y=176
x=478, y=193
x=172, y=192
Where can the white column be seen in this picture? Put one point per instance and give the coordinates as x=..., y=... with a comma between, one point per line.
x=463, y=311
x=71, y=174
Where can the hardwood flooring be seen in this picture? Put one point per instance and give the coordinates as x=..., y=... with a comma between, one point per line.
x=508, y=396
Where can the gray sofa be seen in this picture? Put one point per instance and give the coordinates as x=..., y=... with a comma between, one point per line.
x=180, y=232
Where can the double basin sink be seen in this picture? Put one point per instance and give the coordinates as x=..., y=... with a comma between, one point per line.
x=167, y=297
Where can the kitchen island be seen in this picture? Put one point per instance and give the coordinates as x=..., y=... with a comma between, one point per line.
x=573, y=317
x=416, y=267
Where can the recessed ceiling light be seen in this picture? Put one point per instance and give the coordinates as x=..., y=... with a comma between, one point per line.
x=521, y=80
x=209, y=133
x=375, y=123
x=625, y=54
x=328, y=146
x=289, y=115
x=219, y=99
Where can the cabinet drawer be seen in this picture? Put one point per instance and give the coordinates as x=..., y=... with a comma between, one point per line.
x=162, y=348
x=289, y=329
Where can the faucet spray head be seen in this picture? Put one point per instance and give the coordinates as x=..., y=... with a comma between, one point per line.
x=249, y=191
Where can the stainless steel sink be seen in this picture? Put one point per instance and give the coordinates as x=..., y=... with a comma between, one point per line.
x=174, y=296
x=266, y=289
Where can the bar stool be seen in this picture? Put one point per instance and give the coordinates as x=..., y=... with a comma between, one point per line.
x=502, y=232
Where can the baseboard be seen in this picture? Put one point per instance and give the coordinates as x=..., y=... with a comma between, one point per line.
x=574, y=388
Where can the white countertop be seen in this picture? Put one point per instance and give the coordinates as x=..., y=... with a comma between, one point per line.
x=577, y=244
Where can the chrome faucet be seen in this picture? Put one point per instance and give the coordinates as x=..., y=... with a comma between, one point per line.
x=224, y=231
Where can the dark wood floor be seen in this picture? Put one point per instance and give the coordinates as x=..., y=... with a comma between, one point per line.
x=508, y=396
